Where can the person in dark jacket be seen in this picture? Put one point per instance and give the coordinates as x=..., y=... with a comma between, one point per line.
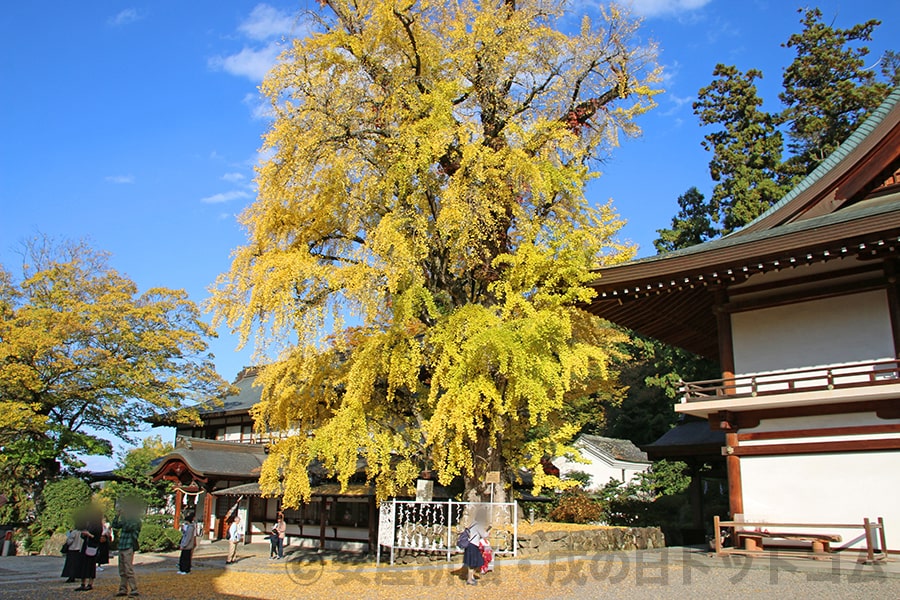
x=106, y=538
x=187, y=544
x=91, y=533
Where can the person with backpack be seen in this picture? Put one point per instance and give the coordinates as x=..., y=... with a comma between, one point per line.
x=469, y=539
x=187, y=544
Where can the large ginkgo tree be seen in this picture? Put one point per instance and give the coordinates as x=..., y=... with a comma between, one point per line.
x=420, y=246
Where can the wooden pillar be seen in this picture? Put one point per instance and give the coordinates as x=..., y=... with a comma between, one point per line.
x=208, y=526
x=726, y=362
x=696, y=495
x=322, y=520
x=373, y=524
x=726, y=343
x=733, y=464
x=179, y=498
x=893, y=298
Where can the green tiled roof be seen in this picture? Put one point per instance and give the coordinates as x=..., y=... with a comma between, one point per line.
x=849, y=145
x=852, y=212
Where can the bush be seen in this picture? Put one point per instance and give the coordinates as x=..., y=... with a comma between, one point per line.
x=156, y=537
x=541, y=509
x=575, y=506
x=657, y=498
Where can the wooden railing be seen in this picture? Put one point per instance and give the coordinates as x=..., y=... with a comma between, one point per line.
x=811, y=379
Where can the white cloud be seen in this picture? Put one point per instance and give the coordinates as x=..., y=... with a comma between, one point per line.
x=260, y=108
x=676, y=103
x=225, y=197
x=233, y=177
x=126, y=17
x=659, y=8
x=266, y=22
x=121, y=179
x=252, y=63
x=264, y=30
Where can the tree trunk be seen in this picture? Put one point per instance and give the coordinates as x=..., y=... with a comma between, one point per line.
x=487, y=458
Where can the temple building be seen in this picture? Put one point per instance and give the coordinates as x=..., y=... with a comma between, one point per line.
x=215, y=467
x=801, y=310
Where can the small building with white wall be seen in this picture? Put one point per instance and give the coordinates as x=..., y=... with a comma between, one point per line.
x=607, y=459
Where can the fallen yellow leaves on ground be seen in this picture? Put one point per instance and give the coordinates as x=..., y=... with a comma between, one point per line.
x=322, y=580
x=526, y=528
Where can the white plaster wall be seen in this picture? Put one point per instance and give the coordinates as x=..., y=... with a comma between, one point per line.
x=825, y=488
x=849, y=328
x=859, y=419
x=600, y=470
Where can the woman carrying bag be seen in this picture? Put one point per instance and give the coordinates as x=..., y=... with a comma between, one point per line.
x=91, y=535
x=72, y=566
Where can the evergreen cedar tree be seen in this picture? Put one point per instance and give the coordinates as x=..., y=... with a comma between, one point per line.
x=421, y=243
x=827, y=91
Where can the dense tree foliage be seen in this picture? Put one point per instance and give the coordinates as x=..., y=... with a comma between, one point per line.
x=132, y=476
x=423, y=199
x=693, y=224
x=651, y=374
x=84, y=358
x=61, y=501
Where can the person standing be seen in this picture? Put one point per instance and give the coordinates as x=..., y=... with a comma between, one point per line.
x=278, y=534
x=72, y=566
x=91, y=533
x=129, y=528
x=273, y=542
x=235, y=535
x=187, y=544
x=105, y=538
x=473, y=559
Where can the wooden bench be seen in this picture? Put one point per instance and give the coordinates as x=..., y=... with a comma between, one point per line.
x=751, y=538
x=757, y=540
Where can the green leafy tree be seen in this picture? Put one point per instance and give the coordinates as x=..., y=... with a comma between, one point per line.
x=828, y=89
x=655, y=498
x=746, y=149
x=84, y=357
x=425, y=176
x=61, y=501
x=133, y=479
x=651, y=374
x=692, y=225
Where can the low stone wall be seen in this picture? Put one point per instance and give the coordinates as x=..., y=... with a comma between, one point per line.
x=540, y=542
x=602, y=539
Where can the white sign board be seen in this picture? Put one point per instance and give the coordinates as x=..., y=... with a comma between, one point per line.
x=386, y=524
x=424, y=490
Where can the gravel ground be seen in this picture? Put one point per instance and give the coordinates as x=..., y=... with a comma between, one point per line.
x=621, y=576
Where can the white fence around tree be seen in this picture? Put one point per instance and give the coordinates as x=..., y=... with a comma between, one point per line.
x=418, y=526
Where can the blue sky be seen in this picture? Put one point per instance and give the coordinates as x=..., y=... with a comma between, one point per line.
x=136, y=124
